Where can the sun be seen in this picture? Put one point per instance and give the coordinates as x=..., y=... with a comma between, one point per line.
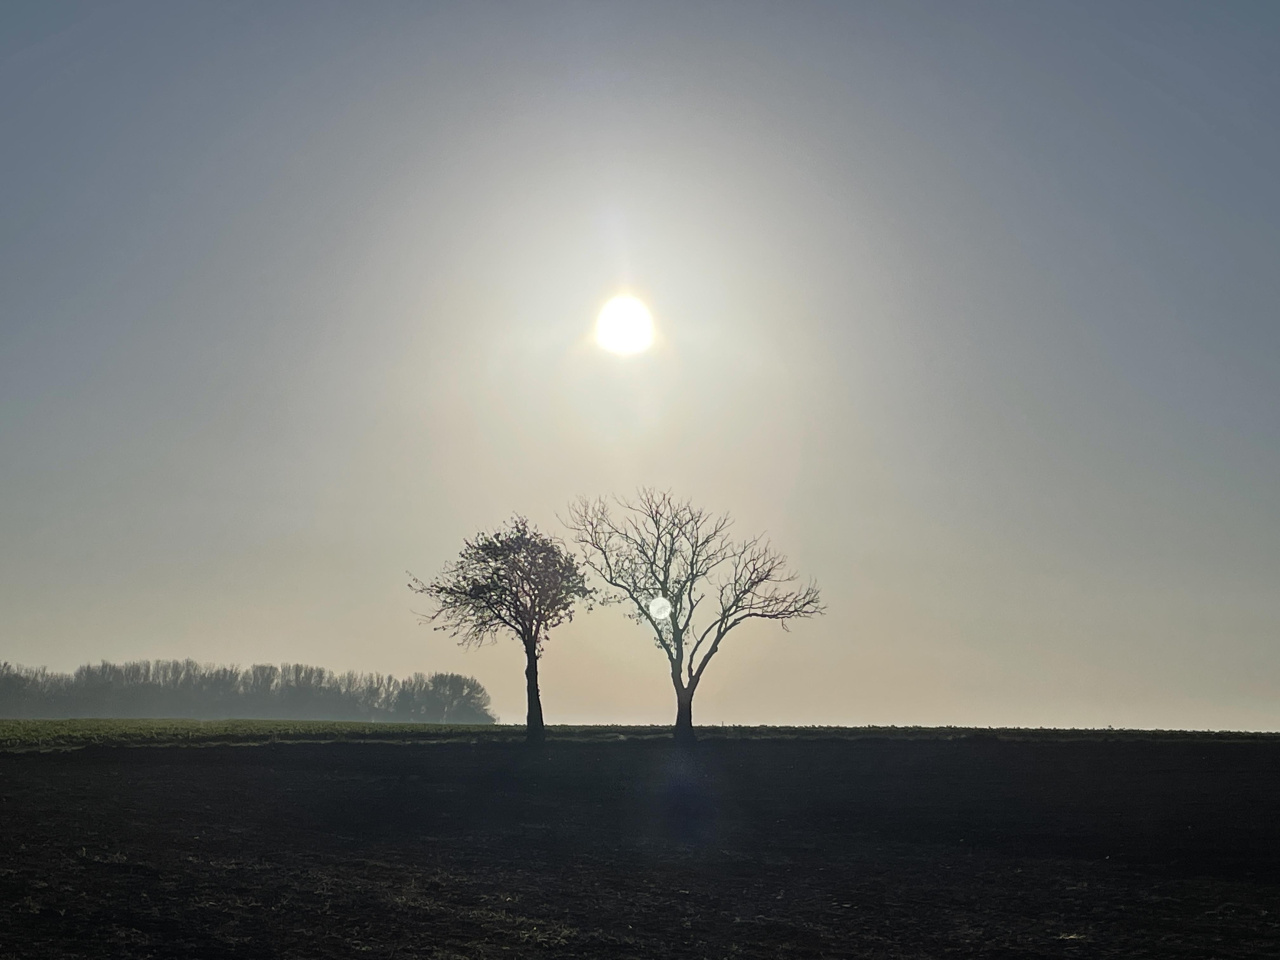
x=624, y=326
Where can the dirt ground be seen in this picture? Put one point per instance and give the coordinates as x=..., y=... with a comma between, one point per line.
x=966, y=847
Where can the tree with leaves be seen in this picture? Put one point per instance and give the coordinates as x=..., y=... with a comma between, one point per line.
x=515, y=580
x=680, y=573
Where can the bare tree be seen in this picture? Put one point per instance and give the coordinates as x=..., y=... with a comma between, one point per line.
x=680, y=572
x=515, y=580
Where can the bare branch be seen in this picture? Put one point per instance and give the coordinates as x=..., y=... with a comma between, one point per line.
x=515, y=580
x=656, y=545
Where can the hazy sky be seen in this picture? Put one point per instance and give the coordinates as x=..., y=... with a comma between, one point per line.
x=971, y=306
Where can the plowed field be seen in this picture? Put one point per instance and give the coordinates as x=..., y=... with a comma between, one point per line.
x=958, y=846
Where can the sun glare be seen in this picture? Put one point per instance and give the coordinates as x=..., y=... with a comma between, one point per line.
x=624, y=326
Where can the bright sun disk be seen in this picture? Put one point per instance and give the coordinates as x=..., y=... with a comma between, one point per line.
x=624, y=326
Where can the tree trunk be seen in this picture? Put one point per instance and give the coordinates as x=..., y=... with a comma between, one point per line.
x=534, y=731
x=684, y=717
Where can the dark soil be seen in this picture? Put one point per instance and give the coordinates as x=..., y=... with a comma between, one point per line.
x=965, y=847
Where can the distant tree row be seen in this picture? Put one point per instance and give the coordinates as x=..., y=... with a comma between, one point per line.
x=292, y=691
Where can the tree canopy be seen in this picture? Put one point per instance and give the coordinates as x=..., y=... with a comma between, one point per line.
x=515, y=580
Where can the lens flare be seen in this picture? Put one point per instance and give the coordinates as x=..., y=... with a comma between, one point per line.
x=659, y=608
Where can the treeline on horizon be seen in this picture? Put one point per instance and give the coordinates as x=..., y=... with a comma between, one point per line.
x=189, y=690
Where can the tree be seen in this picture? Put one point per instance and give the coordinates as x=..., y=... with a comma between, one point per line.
x=441, y=698
x=681, y=574
x=515, y=580
x=184, y=688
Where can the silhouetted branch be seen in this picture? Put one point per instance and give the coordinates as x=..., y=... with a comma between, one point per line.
x=516, y=579
x=657, y=546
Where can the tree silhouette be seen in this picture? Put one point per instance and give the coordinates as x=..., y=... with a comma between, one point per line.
x=515, y=580
x=184, y=688
x=662, y=549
